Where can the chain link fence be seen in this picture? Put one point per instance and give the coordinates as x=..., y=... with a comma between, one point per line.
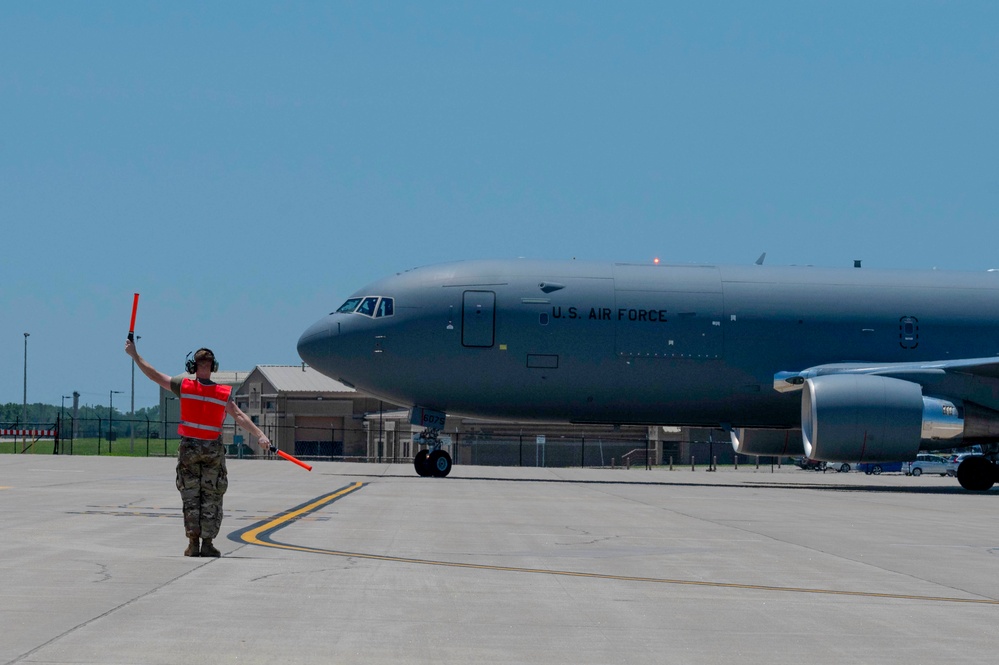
x=580, y=446
x=359, y=443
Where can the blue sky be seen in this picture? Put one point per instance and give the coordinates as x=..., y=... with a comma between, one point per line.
x=246, y=166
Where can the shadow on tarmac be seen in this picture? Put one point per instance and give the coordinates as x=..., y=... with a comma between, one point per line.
x=883, y=489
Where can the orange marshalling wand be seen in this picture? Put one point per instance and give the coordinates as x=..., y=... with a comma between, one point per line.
x=131, y=325
x=290, y=458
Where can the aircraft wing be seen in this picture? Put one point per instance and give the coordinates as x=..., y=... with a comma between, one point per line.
x=923, y=373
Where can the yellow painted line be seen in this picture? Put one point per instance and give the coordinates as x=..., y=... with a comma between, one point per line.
x=253, y=534
x=259, y=535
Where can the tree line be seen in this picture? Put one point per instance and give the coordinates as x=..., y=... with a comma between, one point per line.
x=91, y=420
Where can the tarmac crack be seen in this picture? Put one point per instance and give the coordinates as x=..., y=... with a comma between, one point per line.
x=102, y=615
x=729, y=525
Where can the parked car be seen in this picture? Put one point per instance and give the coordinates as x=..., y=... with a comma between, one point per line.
x=877, y=468
x=815, y=465
x=925, y=463
x=809, y=464
x=954, y=461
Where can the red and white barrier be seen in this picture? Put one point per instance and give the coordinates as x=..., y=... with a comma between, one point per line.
x=27, y=432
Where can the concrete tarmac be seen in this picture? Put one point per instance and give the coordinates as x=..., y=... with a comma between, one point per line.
x=368, y=563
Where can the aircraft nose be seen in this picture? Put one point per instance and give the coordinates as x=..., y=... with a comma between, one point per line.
x=314, y=344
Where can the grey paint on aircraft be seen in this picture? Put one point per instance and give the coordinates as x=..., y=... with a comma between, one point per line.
x=686, y=345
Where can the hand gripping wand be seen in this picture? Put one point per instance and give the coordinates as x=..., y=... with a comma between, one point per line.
x=290, y=458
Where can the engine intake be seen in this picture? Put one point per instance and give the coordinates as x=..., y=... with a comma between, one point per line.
x=874, y=418
x=862, y=417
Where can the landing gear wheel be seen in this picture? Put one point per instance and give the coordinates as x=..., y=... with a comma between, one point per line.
x=422, y=463
x=439, y=463
x=976, y=474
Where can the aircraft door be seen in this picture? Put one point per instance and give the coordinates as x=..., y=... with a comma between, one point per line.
x=478, y=318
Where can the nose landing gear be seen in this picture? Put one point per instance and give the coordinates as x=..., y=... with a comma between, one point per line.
x=434, y=461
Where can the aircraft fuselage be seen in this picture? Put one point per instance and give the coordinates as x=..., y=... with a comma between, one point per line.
x=658, y=344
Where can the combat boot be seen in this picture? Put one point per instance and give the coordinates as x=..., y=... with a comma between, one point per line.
x=192, y=547
x=207, y=549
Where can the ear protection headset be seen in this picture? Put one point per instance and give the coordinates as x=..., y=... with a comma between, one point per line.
x=191, y=365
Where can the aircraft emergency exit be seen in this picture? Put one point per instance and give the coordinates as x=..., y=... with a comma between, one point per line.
x=854, y=364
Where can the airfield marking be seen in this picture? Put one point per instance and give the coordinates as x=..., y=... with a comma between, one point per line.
x=262, y=532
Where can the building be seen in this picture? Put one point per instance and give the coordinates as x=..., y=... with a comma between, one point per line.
x=306, y=413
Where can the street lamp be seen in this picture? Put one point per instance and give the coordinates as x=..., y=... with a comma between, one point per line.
x=24, y=405
x=111, y=415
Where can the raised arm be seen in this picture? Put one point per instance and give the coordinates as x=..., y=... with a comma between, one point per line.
x=154, y=375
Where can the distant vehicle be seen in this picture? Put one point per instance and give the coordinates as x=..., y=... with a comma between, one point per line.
x=809, y=464
x=877, y=468
x=954, y=461
x=815, y=465
x=927, y=464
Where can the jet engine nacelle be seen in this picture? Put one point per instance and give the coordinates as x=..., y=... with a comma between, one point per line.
x=874, y=418
x=776, y=442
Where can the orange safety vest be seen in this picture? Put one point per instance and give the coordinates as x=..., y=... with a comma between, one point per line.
x=202, y=409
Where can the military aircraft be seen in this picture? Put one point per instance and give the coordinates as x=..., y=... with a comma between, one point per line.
x=857, y=364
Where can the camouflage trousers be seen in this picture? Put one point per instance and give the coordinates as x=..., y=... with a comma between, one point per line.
x=202, y=480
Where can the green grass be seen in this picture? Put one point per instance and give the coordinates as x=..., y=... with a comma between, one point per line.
x=92, y=446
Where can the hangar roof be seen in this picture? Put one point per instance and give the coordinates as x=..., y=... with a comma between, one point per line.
x=300, y=379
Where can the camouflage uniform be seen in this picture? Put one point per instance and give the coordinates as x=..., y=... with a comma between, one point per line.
x=202, y=480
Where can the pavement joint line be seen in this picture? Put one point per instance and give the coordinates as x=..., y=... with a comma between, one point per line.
x=106, y=613
x=261, y=534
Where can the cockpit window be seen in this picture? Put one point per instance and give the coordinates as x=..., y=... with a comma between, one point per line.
x=349, y=306
x=372, y=306
x=386, y=307
x=367, y=307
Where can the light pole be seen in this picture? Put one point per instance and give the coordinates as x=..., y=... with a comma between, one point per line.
x=24, y=404
x=131, y=427
x=111, y=416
